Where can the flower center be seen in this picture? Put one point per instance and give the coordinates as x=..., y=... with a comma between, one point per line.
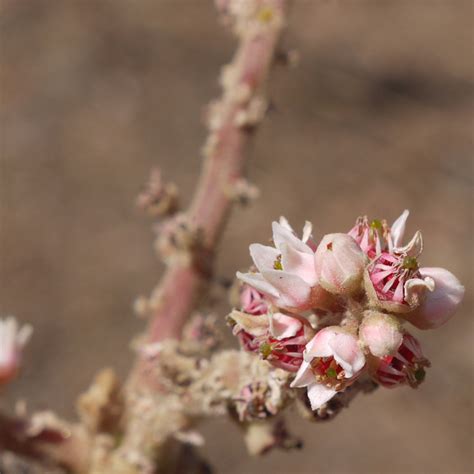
x=277, y=263
x=328, y=372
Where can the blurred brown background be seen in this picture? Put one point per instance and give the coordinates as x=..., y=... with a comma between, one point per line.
x=376, y=118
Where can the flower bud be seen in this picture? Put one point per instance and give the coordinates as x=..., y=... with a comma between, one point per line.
x=340, y=264
x=440, y=304
x=380, y=333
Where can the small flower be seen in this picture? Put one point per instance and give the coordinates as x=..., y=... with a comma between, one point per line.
x=332, y=361
x=12, y=341
x=376, y=236
x=407, y=366
x=278, y=338
x=340, y=264
x=393, y=281
x=440, y=304
x=380, y=333
x=286, y=272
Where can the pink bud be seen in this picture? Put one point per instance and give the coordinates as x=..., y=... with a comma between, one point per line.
x=440, y=304
x=380, y=333
x=340, y=264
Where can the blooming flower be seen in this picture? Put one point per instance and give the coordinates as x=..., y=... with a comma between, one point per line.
x=12, y=341
x=340, y=264
x=407, y=366
x=332, y=361
x=278, y=338
x=393, y=280
x=286, y=272
x=440, y=304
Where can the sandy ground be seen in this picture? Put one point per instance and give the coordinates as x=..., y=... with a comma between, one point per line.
x=376, y=118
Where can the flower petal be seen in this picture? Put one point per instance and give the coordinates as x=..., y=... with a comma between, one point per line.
x=303, y=377
x=441, y=304
x=256, y=325
x=413, y=248
x=319, y=394
x=398, y=228
x=319, y=346
x=263, y=256
x=347, y=353
x=294, y=292
x=299, y=263
x=283, y=326
x=257, y=281
x=282, y=235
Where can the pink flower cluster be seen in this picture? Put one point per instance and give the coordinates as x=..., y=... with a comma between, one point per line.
x=330, y=312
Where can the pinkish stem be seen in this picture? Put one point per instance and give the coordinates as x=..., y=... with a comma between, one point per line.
x=222, y=167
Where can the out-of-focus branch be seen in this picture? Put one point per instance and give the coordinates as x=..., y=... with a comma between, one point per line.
x=46, y=439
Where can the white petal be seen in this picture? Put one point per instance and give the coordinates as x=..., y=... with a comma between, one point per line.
x=263, y=256
x=347, y=354
x=413, y=248
x=294, y=291
x=257, y=281
x=303, y=377
x=283, y=221
x=320, y=346
x=281, y=235
x=299, y=263
x=282, y=326
x=398, y=228
x=319, y=394
x=307, y=231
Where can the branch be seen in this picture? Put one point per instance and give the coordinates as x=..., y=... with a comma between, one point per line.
x=231, y=122
x=46, y=439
